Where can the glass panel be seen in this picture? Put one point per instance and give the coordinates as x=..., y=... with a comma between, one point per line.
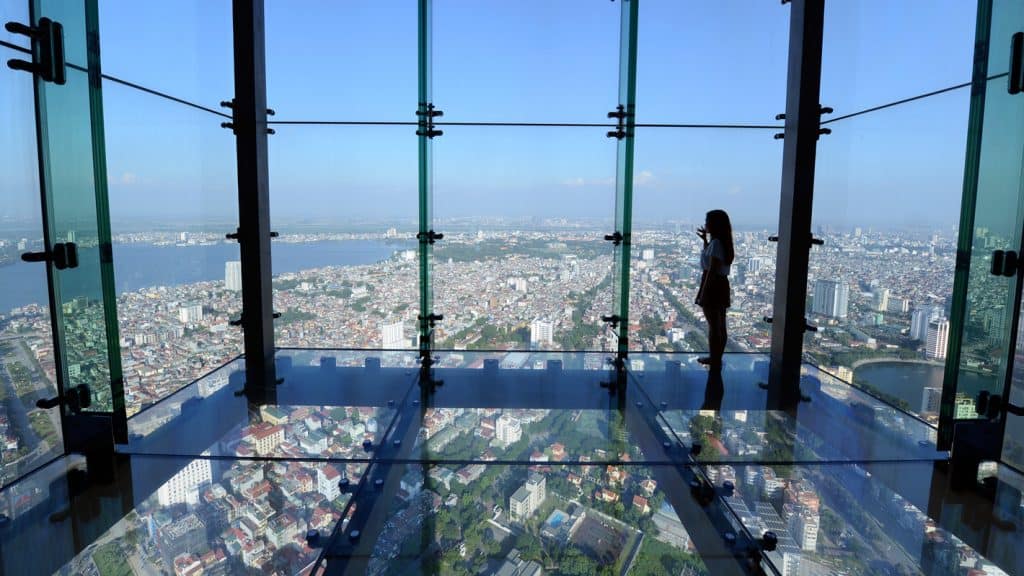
x=848, y=519
x=378, y=48
x=32, y=510
x=30, y=436
x=532, y=61
x=685, y=42
x=343, y=200
x=998, y=219
x=220, y=517
x=172, y=199
x=624, y=166
x=498, y=519
x=76, y=212
x=878, y=52
x=306, y=421
x=523, y=264
x=14, y=12
x=887, y=199
x=724, y=413
x=681, y=175
x=180, y=48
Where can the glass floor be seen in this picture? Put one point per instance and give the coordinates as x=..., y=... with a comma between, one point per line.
x=519, y=463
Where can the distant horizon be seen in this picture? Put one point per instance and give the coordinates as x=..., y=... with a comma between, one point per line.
x=210, y=224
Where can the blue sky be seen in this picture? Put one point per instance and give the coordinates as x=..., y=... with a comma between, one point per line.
x=534, y=60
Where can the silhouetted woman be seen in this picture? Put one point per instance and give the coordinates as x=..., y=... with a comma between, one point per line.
x=713, y=295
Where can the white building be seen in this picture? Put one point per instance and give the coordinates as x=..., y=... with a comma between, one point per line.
x=392, y=336
x=647, y=254
x=804, y=527
x=190, y=313
x=183, y=487
x=528, y=498
x=233, y=276
x=831, y=298
x=937, y=339
x=327, y=478
x=541, y=332
x=508, y=429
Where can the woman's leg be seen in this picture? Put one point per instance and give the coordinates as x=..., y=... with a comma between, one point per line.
x=711, y=315
x=723, y=337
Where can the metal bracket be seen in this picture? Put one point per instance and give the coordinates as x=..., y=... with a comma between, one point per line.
x=620, y=115
x=236, y=235
x=822, y=110
x=64, y=255
x=429, y=237
x=432, y=319
x=614, y=320
x=615, y=238
x=1005, y=263
x=48, y=38
x=427, y=113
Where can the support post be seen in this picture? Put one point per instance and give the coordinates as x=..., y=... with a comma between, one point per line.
x=803, y=116
x=250, y=127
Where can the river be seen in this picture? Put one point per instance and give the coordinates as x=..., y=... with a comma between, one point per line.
x=139, y=266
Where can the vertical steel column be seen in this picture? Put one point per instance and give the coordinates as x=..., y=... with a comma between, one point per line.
x=250, y=127
x=803, y=115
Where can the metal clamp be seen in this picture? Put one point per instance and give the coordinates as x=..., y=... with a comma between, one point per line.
x=429, y=237
x=615, y=238
x=48, y=38
x=620, y=115
x=64, y=255
x=427, y=113
x=432, y=319
x=613, y=319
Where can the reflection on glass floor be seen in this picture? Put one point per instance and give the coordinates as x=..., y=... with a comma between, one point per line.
x=351, y=467
x=519, y=519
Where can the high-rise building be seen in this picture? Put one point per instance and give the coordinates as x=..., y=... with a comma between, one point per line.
x=233, y=275
x=392, y=336
x=937, y=339
x=541, y=332
x=647, y=254
x=190, y=313
x=920, y=319
x=831, y=298
x=508, y=429
x=183, y=487
x=931, y=398
x=880, y=300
